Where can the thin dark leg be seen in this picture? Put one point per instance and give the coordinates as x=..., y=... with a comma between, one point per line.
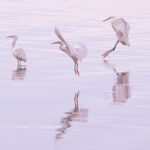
x=18, y=62
x=78, y=70
x=108, y=52
x=75, y=101
x=75, y=69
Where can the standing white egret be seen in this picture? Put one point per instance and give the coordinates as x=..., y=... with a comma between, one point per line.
x=121, y=28
x=18, y=53
x=75, y=53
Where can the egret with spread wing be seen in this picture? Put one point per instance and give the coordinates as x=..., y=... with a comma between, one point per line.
x=18, y=53
x=77, y=54
x=121, y=28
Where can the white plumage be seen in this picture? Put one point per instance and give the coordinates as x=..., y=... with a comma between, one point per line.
x=80, y=52
x=76, y=54
x=121, y=28
x=18, y=53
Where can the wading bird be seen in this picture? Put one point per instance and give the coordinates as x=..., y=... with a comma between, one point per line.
x=18, y=53
x=77, y=54
x=121, y=28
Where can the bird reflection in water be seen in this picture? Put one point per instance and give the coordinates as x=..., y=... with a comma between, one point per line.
x=75, y=115
x=121, y=89
x=19, y=73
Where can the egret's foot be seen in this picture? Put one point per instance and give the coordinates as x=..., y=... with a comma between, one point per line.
x=105, y=54
x=108, y=52
x=78, y=73
x=75, y=72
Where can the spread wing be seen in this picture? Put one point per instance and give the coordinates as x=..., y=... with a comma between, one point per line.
x=59, y=35
x=121, y=27
x=81, y=52
x=20, y=54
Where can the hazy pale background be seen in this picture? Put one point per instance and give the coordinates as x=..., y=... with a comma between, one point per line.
x=37, y=103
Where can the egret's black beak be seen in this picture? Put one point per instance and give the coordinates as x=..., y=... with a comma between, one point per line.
x=58, y=42
x=9, y=36
x=54, y=43
x=105, y=20
x=109, y=18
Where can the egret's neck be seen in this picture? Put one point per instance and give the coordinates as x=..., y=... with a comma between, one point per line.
x=14, y=43
x=61, y=46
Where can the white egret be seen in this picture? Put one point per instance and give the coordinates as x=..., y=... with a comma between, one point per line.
x=18, y=53
x=121, y=28
x=77, y=54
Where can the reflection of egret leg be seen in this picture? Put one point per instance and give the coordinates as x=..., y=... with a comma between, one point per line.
x=108, y=52
x=76, y=96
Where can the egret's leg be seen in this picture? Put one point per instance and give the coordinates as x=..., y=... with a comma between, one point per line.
x=78, y=70
x=108, y=52
x=18, y=66
x=75, y=69
x=18, y=62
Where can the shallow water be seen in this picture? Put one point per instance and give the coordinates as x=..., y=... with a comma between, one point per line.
x=47, y=107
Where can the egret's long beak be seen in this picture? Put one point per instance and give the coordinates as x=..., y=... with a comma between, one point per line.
x=55, y=42
x=105, y=19
x=9, y=36
x=109, y=18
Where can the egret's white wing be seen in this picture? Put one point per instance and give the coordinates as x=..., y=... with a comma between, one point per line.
x=19, y=54
x=59, y=35
x=121, y=27
x=80, y=53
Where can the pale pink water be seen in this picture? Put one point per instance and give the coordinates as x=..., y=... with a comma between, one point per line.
x=37, y=110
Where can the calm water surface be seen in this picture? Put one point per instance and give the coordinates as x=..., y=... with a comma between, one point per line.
x=47, y=107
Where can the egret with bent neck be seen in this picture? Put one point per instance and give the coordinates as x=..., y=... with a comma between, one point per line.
x=77, y=54
x=121, y=28
x=18, y=53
